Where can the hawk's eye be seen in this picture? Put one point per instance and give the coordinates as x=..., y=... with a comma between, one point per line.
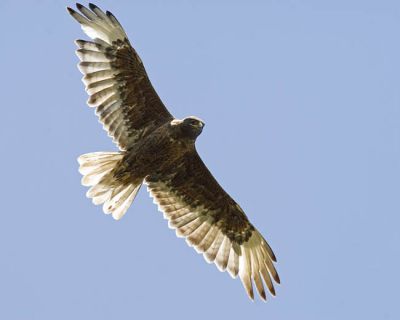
x=193, y=122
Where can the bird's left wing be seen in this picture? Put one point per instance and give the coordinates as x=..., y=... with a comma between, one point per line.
x=213, y=223
x=116, y=80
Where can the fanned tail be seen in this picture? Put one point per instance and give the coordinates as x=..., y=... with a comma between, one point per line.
x=116, y=196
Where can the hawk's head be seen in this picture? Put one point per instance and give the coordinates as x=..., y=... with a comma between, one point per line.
x=190, y=127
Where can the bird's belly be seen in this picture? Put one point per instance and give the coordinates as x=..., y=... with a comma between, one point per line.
x=150, y=157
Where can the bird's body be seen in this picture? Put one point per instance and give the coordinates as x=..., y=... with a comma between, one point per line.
x=159, y=150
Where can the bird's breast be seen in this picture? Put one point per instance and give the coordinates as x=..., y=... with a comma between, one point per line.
x=153, y=154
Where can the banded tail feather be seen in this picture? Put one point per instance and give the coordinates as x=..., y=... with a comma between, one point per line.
x=116, y=196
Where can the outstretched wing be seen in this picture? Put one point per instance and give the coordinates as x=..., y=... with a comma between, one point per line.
x=116, y=80
x=213, y=223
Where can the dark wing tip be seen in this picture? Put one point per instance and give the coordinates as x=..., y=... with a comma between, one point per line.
x=113, y=19
x=70, y=11
x=263, y=295
x=80, y=42
x=276, y=278
x=273, y=257
x=251, y=295
x=93, y=6
x=272, y=290
x=79, y=6
x=269, y=250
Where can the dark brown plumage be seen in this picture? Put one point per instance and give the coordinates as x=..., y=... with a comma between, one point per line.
x=160, y=151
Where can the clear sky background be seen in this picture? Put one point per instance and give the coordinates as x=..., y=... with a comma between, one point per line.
x=302, y=105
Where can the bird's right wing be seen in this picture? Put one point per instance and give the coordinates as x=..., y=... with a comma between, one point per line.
x=211, y=221
x=116, y=80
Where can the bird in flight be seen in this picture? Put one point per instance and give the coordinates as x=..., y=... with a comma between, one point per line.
x=159, y=150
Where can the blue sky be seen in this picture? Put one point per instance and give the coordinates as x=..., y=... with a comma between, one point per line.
x=301, y=101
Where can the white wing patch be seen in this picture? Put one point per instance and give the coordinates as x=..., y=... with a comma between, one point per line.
x=99, y=26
